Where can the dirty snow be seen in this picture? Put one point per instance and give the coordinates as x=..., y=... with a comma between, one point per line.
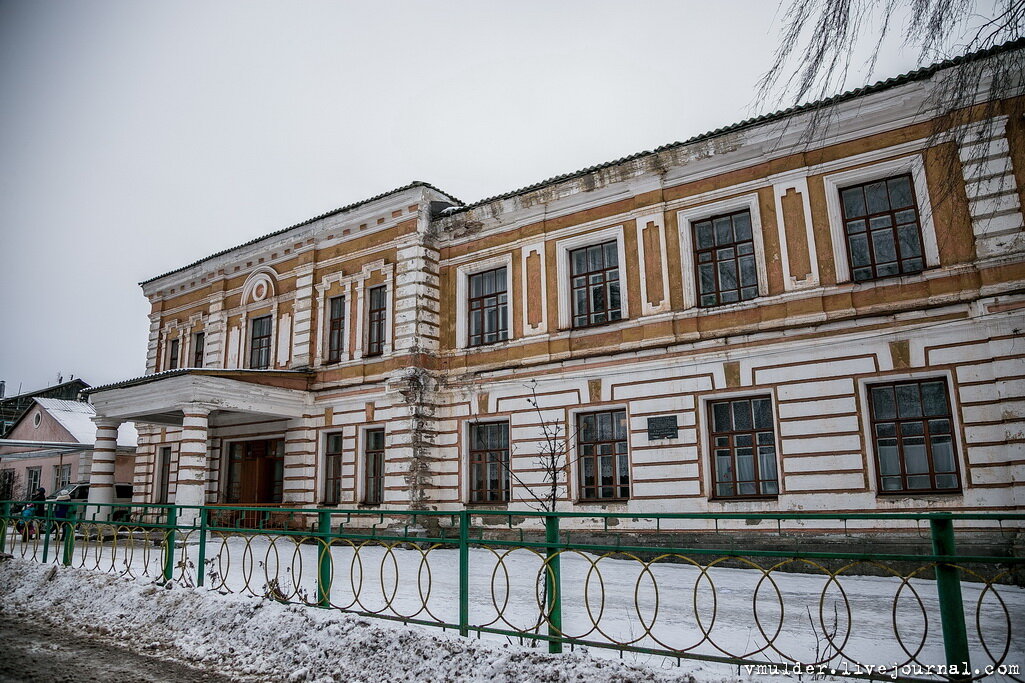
x=255, y=638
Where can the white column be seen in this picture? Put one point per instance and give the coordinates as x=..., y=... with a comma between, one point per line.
x=101, y=472
x=192, y=461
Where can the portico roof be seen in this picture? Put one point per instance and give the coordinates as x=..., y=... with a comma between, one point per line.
x=159, y=398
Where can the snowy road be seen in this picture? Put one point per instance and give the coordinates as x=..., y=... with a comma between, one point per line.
x=36, y=653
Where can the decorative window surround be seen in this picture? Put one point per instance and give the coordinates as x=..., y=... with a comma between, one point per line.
x=779, y=190
x=258, y=292
x=362, y=307
x=837, y=181
x=463, y=274
x=706, y=452
x=325, y=292
x=684, y=219
x=572, y=455
x=562, y=249
x=467, y=433
x=862, y=385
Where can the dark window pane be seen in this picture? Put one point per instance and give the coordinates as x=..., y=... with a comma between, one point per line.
x=728, y=266
x=895, y=247
x=601, y=449
x=853, y=201
x=911, y=426
x=744, y=456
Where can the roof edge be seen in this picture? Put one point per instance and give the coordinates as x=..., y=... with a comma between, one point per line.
x=308, y=221
x=920, y=74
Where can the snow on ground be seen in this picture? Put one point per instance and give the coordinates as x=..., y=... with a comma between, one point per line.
x=662, y=605
x=260, y=639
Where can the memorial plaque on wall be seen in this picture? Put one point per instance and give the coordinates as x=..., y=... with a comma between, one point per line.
x=662, y=427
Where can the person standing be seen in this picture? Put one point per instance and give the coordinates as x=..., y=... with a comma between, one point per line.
x=62, y=515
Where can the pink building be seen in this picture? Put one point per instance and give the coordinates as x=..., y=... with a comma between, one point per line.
x=51, y=446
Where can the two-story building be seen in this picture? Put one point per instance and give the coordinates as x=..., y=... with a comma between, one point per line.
x=753, y=320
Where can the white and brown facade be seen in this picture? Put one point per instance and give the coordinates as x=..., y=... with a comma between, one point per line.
x=833, y=326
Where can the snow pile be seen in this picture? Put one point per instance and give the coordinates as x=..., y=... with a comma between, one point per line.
x=253, y=637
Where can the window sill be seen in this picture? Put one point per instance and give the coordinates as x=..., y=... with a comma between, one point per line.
x=921, y=493
x=742, y=499
x=585, y=328
x=487, y=505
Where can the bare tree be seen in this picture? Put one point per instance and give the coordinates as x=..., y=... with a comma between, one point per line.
x=11, y=485
x=820, y=38
x=552, y=456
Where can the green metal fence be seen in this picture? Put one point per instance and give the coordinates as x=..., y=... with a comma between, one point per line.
x=599, y=580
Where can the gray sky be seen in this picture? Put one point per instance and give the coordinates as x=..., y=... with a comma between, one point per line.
x=136, y=137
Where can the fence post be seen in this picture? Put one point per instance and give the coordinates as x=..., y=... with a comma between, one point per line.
x=201, y=559
x=3, y=526
x=170, y=536
x=553, y=583
x=464, y=573
x=324, y=568
x=948, y=585
x=69, y=537
x=46, y=520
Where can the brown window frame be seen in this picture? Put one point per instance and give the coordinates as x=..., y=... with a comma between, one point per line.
x=486, y=459
x=494, y=303
x=162, y=489
x=173, y=353
x=335, y=328
x=717, y=255
x=720, y=440
x=900, y=436
x=376, y=320
x=596, y=492
x=198, y=346
x=582, y=282
x=265, y=346
x=373, y=468
x=866, y=231
x=333, y=454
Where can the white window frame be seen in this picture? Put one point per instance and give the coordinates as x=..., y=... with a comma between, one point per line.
x=321, y=482
x=573, y=486
x=706, y=448
x=562, y=249
x=359, y=470
x=834, y=182
x=29, y=487
x=464, y=488
x=862, y=385
x=463, y=274
x=684, y=220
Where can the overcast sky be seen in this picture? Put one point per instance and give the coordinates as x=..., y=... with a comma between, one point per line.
x=136, y=137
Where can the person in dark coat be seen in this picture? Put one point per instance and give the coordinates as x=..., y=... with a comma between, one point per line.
x=62, y=515
x=39, y=501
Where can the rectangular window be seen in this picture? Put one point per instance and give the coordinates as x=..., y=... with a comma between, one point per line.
x=602, y=455
x=489, y=462
x=198, y=344
x=33, y=477
x=335, y=329
x=333, y=470
x=594, y=284
x=163, y=482
x=373, y=475
x=260, y=343
x=488, y=307
x=172, y=356
x=913, y=435
x=743, y=448
x=881, y=222
x=377, y=308
x=724, y=257
x=61, y=476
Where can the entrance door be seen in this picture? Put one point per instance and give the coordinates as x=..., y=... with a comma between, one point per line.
x=255, y=472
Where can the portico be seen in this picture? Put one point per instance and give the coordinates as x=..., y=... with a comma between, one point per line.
x=204, y=408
